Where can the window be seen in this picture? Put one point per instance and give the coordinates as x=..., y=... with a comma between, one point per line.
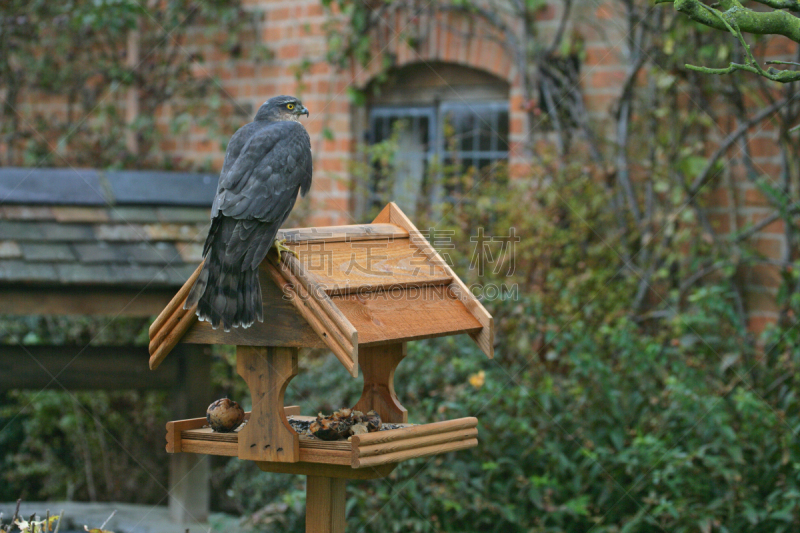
x=447, y=122
x=461, y=137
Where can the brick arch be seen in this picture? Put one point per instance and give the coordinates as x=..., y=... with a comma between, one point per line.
x=442, y=37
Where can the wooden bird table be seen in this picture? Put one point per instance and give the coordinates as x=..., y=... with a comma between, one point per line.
x=365, y=317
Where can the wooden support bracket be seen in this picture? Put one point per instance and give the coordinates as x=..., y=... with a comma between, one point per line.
x=268, y=436
x=378, y=364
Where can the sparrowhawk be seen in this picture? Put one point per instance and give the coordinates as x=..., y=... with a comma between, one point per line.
x=267, y=162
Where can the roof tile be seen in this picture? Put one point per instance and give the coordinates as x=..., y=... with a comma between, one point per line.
x=179, y=274
x=191, y=252
x=26, y=212
x=53, y=186
x=21, y=231
x=16, y=270
x=57, y=226
x=54, y=252
x=96, y=252
x=66, y=232
x=177, y=232
x=153, y=187
x=79, y=214
x=181, y=214
x=160, y=253
x=121, y=232
x=138, y=274
x=78, y=273
x=9, y=249
x=130, y=215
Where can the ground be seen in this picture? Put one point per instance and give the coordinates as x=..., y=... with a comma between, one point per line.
x=129, y=518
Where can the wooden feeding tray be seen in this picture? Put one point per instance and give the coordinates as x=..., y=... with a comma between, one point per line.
x=386, y=447
x=362, y=292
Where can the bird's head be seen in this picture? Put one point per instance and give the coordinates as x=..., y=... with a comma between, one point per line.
x=281, y=108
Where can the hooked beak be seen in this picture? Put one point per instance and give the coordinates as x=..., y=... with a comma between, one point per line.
x=303, y=111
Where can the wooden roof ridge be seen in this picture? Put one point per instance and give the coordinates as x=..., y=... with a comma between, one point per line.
x=313, y=301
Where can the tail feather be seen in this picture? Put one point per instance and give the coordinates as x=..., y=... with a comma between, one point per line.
x=225, y=293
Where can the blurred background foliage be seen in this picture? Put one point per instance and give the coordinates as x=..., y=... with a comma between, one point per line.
x=626, y=395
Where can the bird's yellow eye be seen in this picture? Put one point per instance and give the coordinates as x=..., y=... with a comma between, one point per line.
x=289, y=106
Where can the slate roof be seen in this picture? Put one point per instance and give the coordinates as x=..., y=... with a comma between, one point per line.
x=89, y=227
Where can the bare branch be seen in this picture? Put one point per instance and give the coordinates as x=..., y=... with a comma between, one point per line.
x=705, y=175
x=781, y=76
x=562, y=26
x=749, y=232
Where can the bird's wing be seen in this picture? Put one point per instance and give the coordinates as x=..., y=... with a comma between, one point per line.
x=260, y=188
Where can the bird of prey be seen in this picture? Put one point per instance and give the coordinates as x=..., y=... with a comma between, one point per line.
x=267, y=162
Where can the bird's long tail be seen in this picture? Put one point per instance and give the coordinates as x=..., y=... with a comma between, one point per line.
x=224, y=292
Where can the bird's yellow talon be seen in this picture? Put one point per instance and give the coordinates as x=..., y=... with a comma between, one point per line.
x=280, y=246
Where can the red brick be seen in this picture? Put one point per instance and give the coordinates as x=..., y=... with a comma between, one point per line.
x=331, y=165
x=337, y=204
x=776, y=47
x=599, y=102
x=720, y=222
x=206, y=146
x=760, y=301
x=764, y=147
x=321, y=183
x=607, y=78
x=289, y=51
x=273, y=34
x=598, y=55
x=517, y=124
x=605, y=12
x=547, y=12
x=315, y=9
x=777, y=227
x=320, y=220
x=278, y=14
x=754, y=198
x=769, y=247
x=764, y=275
x=719, y=197
x=758, y=323
x=519, y=169
x=341, y=184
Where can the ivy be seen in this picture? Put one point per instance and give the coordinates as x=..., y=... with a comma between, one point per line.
x=77, y=54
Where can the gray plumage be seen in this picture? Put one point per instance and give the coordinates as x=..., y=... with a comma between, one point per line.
x=266, y=164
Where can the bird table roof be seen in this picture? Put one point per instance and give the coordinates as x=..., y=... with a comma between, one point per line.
x=351, y=286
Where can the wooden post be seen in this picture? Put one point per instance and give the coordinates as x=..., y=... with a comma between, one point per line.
x=325, y=504
x=189, y=473
x=267, y=436
x=378, y=364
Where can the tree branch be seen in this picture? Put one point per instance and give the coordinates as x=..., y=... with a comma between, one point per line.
x=705, y=175
x=747, y=20
x=791, y=5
